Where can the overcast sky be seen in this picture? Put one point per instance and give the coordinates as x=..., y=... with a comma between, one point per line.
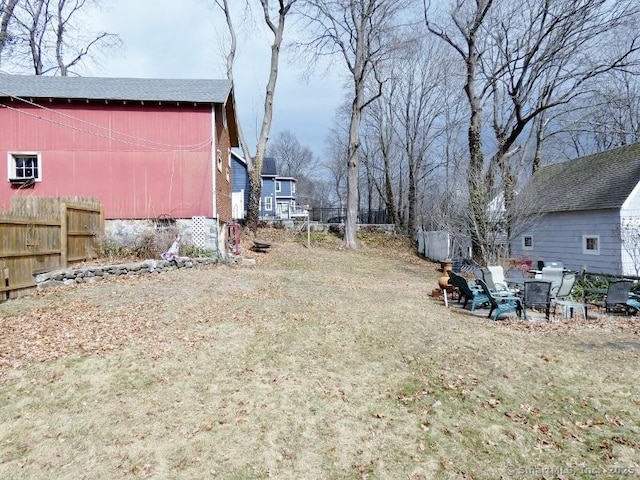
x=169, y=39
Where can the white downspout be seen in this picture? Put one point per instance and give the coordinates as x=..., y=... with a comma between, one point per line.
x=214, y=163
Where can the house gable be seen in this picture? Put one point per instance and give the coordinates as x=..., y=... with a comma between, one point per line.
x=579, y=204
x=144, y=147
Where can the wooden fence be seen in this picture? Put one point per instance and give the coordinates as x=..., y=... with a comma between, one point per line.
x=41, y=234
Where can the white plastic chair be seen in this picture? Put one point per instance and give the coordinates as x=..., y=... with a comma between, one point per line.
x=553, y=275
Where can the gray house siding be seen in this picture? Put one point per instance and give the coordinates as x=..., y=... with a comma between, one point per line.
x=558, y=236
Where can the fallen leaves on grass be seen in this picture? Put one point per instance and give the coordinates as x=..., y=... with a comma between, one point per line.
x=620, y=324
x=75, y=327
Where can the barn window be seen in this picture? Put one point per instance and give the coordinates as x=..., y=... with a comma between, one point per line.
x=527, y=242
x=23, y=166
x=591, y=244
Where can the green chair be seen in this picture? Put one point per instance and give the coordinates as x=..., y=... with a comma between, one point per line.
x=468, y=293
x=501, y=304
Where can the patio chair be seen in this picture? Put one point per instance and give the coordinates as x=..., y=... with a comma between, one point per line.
x=497, y=275
x=563, y=291
x=537, y=294
x=553, y=275
x=514, y=278
x=479, y=273
x=618, y=297
x=477, y=297
x=562, y=297
x=501, y=304
x=497, y=286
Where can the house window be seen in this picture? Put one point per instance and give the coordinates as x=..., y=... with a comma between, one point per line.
x=527, y=242
x=24, y=166
x=293, y=187
x=591, y=244
x=268, y=204
x=219, y=159
x=278, y=186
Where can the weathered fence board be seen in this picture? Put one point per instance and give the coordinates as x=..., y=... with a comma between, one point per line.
x=434, y=245
x=41, y=234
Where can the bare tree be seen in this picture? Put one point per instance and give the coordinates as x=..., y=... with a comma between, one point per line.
x=363, y=33
x=71, y=45
x=298, y=161
x=50, y=37
x=630, y=239
x=465, y=37
x=527, y=59
x=6, y=16
x=379, y=153
x=607, y=118
x=275, y=19
x=294, y=159
x=419, y=115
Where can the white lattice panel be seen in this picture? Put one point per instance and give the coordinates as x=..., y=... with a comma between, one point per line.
x=199, y=231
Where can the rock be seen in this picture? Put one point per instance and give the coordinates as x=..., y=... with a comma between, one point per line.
x=49, y=284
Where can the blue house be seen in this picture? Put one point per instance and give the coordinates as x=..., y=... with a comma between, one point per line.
x=586, y=213
x=278, y=194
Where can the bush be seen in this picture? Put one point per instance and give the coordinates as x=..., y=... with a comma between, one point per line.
x=148, y=244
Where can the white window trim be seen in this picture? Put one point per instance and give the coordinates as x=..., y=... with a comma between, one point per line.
x=268, y=204
x=586, y=251
x=293, y=187
x=278, y=186
x=524, y=243
x=11, y=163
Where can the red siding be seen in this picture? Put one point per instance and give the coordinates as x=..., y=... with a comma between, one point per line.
x=141, y=161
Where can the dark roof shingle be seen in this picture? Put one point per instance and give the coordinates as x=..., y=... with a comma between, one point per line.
x=103, y=88
x=269, y=167
x=600, y=181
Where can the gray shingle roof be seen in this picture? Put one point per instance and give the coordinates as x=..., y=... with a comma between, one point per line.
x=97, y=88
x=601, y=181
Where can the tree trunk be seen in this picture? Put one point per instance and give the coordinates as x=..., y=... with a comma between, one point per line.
x=412, y=198
x=351, y=222
x=5, y=19
x=255, y=190
x=477, y=189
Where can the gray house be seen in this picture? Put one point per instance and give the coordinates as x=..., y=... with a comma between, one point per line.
x=585, y=213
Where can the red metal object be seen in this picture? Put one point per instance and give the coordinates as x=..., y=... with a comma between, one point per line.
x=233, y=239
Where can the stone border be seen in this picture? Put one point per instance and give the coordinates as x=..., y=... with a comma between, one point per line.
x=72, y=276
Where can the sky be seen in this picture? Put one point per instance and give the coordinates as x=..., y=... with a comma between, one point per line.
x=169, y=39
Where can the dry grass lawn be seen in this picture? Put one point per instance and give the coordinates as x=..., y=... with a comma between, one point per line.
x=318, y=363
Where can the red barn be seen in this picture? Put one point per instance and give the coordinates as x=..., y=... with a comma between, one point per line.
x=146, y=148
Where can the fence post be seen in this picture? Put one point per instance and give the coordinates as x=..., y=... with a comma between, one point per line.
x=100, y=238
x=63, y=235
